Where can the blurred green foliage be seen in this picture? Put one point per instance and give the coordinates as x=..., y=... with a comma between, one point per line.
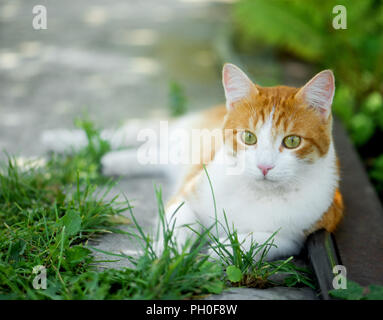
x=304, y=29
x=177, y=99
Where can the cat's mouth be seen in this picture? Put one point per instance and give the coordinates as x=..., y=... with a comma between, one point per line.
x=267, y=179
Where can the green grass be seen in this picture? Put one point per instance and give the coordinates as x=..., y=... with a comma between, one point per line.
x=84, y=163
x=49, y=213
x=354, y=291
x=173, y=273
x=41, y=223
x=249, y=267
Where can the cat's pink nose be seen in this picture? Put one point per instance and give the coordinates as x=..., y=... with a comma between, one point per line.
x=265, y=168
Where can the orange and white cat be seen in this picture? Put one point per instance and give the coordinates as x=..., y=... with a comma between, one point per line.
x=281, y=138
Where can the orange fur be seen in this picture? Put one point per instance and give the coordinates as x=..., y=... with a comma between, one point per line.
x=291, y=115
x=332, y=217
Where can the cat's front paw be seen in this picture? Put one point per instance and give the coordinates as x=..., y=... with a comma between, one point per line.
x=62, y=140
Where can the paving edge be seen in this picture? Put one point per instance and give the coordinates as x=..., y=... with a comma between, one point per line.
x=323, y=256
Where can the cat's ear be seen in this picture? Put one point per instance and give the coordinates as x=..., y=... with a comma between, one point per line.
x=319, y=92
x=236, y=84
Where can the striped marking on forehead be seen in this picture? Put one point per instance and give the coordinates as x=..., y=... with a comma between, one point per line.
x=252, y=122
x=269, y=123
x=265, y=135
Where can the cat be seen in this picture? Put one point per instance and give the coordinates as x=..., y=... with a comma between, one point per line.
x=271, y=161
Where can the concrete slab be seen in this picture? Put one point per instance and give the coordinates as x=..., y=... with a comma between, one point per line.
x=276, y=293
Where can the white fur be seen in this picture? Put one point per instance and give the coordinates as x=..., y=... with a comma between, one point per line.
x=236, y=84
x=319, y=91
x=61, y=140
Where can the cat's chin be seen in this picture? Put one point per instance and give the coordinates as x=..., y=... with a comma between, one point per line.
x=269, y=184
x=266, y=180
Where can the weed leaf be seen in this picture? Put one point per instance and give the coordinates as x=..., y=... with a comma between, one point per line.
x=72, y=222
x=77, y=254
x=234, y=274
x=353, y=292
x=215, y=287
x=376, y=293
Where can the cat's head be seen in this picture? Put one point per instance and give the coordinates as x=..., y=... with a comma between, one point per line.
x=279, y=131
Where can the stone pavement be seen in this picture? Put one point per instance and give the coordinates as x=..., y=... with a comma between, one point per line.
x=277, y=293
x=113, y=59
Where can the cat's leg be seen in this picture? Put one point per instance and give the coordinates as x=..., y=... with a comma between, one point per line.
x=127, y=163
x=128, y=135
x=282, y=246
x=177, y=218
x=182, y=218
x=63, y=140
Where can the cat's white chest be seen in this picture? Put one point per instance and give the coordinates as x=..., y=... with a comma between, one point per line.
x=254, y=210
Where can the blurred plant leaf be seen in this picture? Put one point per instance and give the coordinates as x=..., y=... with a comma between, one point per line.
x=177, y=99
x=362, y=128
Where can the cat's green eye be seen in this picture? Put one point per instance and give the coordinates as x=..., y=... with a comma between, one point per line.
x=292, y=142
x=249, y=137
